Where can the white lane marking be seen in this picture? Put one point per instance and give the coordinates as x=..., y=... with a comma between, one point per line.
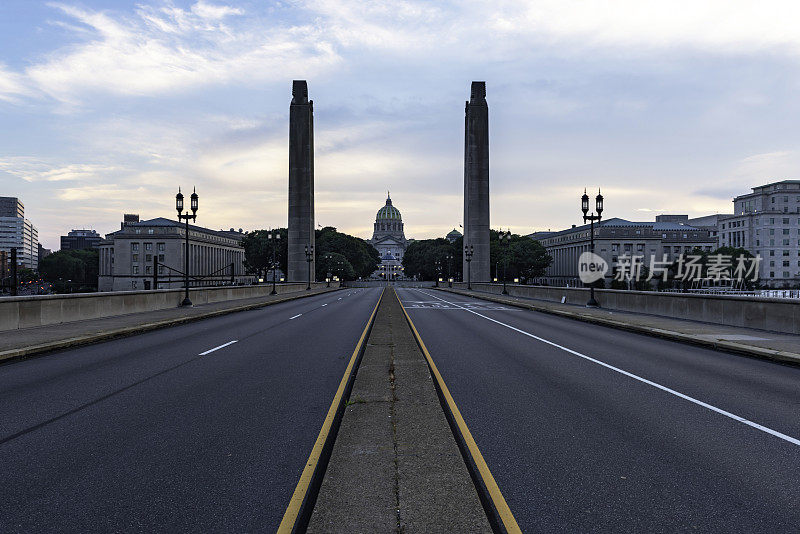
x=340, y=298
x=324, y=305
x=296, y=316
x=217, y=348
x=711, y=407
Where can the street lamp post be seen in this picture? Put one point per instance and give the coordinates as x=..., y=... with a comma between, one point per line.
x=505, y=238
x=449, y=269
x=328, y=269
x=274, y=237
x=469, y=250
x=193, y=217
x=309, y=258
x=438, y=264
x=591, y=218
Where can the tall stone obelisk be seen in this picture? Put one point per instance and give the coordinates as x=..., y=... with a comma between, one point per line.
x=476, y=184
x=301, y=182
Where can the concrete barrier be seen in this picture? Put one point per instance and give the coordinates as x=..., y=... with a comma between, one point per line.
x=776, y=315
x=396, y=283
x=43, y=310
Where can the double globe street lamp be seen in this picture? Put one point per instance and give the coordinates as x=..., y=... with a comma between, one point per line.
x=591, y=218
x=309, y=259
x=469, y=250
x=274, y=238
x=505, y=237
x=193, y=217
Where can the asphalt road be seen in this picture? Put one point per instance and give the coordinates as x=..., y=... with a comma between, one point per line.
x=157, y=432
x=592, y=429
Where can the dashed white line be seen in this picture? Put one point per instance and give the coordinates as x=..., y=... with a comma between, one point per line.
x=217, y=348
x=324, y=305
x=340, y=298
x=711, y=407
x=296, y=316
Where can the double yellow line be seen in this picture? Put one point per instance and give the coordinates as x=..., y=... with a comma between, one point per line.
x=298, y=512
x=300, y=507
x=495, y=495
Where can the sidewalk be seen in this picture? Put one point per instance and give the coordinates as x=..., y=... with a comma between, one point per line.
x=395, y=466
x=748, y=341
x=29, y=341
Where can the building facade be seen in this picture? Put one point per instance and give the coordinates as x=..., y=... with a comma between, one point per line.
x=80, y=240
x=766, y=223
x=17, y=232
x=389, y=239
x=128, y=256
x=665, y=239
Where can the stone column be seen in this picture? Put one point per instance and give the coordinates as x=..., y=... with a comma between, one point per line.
x=476, y=183
x=301, y=182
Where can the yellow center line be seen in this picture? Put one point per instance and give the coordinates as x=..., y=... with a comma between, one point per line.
x=495, y=494
x=300, y=493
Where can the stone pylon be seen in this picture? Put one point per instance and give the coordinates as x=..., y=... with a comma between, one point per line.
x=476, y=184
x=301, y=182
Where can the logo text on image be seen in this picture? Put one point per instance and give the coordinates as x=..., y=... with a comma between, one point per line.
x=591, y=267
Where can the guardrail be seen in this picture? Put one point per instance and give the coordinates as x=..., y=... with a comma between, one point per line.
x=43, y=310
x=774, y=314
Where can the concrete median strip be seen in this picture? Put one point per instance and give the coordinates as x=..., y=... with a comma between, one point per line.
x=395, y=466
x=141, y=324
x=590, y=316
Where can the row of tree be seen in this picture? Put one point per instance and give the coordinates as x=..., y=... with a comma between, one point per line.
x=336, y=253
x=71, y=271
x=520, y=257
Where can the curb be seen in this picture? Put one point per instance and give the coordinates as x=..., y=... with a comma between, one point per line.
x=139, y=329
x=721, y=345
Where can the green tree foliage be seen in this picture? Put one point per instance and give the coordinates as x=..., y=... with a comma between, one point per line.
x=521, y=257
x=71, y=270
x=334, y=264
x=362, y=257
x=421, y=256
x=258, y=250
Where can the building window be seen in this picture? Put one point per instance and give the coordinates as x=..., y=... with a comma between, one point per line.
x=135, y=269
x=149, y=230
x=148, y=270
x=160, y=269
x=148, y=258
x=148, y=246
x=161, y=247
x=134, y=247
x=161, y=257
x=134, y=257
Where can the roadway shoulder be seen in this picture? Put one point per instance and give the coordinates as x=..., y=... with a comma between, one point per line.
x=395, y=466
x=142, y=324
x=683, y=337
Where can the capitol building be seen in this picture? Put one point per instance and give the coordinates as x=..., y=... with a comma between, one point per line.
x=389, y=240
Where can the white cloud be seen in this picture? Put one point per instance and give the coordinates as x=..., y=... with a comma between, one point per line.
x=168, y=49
x=34, y=170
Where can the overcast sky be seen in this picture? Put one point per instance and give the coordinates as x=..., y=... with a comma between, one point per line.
x=670, y=106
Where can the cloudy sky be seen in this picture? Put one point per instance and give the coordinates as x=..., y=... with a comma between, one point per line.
x=108, y=106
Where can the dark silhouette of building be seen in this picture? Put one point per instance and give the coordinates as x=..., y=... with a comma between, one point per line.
x=80, y=240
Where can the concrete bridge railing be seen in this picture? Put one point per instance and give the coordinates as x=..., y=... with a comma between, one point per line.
x=43, y=310
x=777, y=315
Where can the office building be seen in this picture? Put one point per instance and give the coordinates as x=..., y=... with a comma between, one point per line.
x=17, y=232
x=127, y=256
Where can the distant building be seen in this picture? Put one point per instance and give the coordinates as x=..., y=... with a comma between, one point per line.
x=766, y=222
x=80, y=240
x=43, y=252
x=616, y=237
x=453, y=235
x=127, y=255
x=17, y=232
x=389, y=239
x=11, y=207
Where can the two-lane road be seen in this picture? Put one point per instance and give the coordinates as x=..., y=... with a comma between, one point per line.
x=201, y=427
x=587, y=428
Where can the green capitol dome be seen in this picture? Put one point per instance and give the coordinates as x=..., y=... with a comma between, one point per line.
x=388, y=212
